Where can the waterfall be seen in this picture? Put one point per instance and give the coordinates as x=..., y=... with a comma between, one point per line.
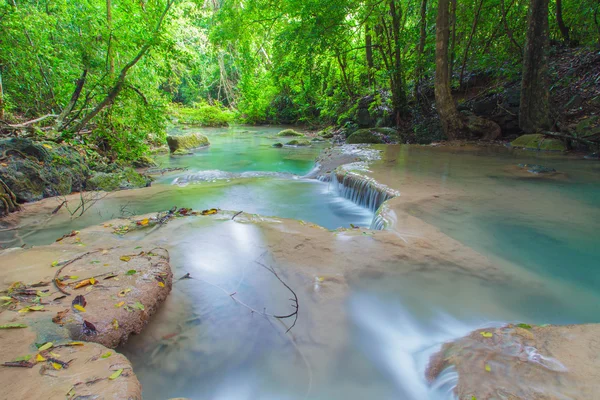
x=364, y=191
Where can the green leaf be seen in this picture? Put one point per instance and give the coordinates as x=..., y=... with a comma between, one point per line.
x=23, y=358
x=524, y=326
x=13, y=326
x=106, y=355
x=131, y=272
x=45, y=346
x=139, y=306
x=116, y=374
x=487, y=334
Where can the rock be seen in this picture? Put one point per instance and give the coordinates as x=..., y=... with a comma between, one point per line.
x=128, y=178
x=8, y=200
x=144, y=162
x=372, y=136
x=363, y=118
x=539, y=142
x=187, y=142
x=85, y=377
x=35, y=170
x=289, y=133
x=327, y=133
x=482, y=128
x=296, y=142
x=537, y=169
x=317, y=140
x=593, y=156
x=524, y=362
x=277, y=145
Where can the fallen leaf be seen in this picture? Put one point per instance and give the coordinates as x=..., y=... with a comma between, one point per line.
x=54, y=264
x=23, y=358
x=79, y=308
x=5, y=298
x=75, y=344
x=55, y=355
x=89, y=328
x=73, y=277
x=161, y=284
x=56, y=366
x=40, y=358
x=36, y=308
x=119, y=304
x=124, y=292
x=46, y=346
x=47, y=146
x=138, y=305
x=79, y=300
x=487, y=334
x=131, y=272
x=13, y=326
x=125, y=258
x=116, y=374
x=115, y=324
x=39, y=293
x=106, y=355
x=212, y=211
x=143, y=222
x=488, y=368
x=83, y=283
x=524, y=326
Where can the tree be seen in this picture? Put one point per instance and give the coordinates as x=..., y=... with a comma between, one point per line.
x=534, y=112
x=564, y=30
x=451, y=120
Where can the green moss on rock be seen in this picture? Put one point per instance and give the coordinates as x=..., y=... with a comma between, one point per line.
x=289, y=133
x=277, y=145
x=364, y=136
x=538, y=141
x=128, y=178
x=144, y=162
x=297, y=142
x=187, y=142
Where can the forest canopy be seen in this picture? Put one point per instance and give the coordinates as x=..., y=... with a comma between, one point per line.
x=113, y=72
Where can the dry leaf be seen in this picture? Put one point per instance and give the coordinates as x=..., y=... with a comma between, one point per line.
x=487, y=334
x=125, y=258
x=56, y=366
x=116, y=374
x=40, y=358
x=46, y=346
x=119, y=304
x=79, y=308
x=83, y=283
x=115, y=324
x=161, y=284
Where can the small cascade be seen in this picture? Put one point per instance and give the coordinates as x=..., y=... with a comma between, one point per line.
x=364, y=191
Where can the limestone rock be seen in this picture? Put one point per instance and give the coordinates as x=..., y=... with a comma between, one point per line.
x=289, y=133
x=538, y=141
x=125, y=179
x=186, y=142
x=296, y=142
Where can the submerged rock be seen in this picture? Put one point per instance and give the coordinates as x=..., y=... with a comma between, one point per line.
x=125, y=179
x=539, y=142
x=593, y=156
x=524, y=362
x=35, y=170
x=186, y=142
x=537, y=169
x=296, y=142
x=277, y=145
x=289, y=133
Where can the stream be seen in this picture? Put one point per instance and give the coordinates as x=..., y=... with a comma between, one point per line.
x=368, y=321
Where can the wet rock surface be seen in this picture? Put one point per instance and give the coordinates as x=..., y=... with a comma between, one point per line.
x=524, y=362
x=184, y=143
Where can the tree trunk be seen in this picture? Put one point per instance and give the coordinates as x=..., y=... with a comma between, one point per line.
x=450, y=118
x=507, y=28
x=468, y=46
x=398, y=90
x=110, y=51
x=421, y=47
x=74, y=98
x=369, y=52
x=534, y=113
x=1, y=98
x=453, y=42
x=564, y=30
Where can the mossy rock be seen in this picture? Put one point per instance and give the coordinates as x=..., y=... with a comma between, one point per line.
x=365, y=136
x=144, y=162
x=126, y=179
x=539, y=142
x=327, y=133
x=297, y=142
x=317, y=140
x=277, y=145
x=289, y=133
x=34, y=170
x=187, y=142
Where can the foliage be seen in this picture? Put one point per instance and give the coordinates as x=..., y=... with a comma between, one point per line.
x=203, y=114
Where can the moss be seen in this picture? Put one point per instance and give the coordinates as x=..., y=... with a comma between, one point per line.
x=144, y=162
x=364, y=136
x=297, y=142
x=539, y=142
x=186, y=142
x=588, y=127
x=289, y=133
x=108, y=182
x=278, y=145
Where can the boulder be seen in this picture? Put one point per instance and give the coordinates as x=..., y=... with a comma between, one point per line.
x=277, y=145
x=589, y=126
x=289, y=133
x=127, y=178
x=186, y=142
x=370, y=136
x=539, y=142
x=481, y=128
x=523, y=362
x=35, y=170
x=144, y=162
x=296, y=142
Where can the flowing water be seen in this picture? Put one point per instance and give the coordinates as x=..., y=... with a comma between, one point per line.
x=369, y=318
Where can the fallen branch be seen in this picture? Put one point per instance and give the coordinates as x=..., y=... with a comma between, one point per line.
x=55, y=280
x=563, y=136
x=26, y=124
